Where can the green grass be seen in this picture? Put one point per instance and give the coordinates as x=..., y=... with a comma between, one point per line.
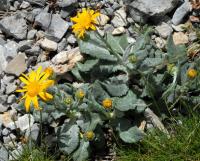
x=183, y=145
x=36, y=154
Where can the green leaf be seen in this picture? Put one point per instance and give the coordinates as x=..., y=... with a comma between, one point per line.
x=77, y=74
x=176, y=53
x=98, y=92
x=128, y=102
x=132, y=135
x=114, y=44
x=68, y=138
x=95, y=50
x=88, y=65
x=116, y=90
x=82, y=153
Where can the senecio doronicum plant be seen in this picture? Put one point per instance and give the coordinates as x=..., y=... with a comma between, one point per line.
x=119, y=82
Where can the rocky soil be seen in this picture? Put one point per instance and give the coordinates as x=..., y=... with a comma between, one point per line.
x=38, y=32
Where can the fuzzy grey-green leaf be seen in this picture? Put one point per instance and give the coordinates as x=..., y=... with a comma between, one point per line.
x=132, y=135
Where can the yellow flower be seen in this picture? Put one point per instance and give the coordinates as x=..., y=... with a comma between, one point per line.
x=36, y=83
x=80, y=94
x=84, y=20
x=107, y=103
x=89, y=135
x=191, y=73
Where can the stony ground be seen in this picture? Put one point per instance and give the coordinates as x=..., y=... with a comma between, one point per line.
x=38, y=32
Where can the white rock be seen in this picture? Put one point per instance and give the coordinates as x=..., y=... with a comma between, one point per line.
x=118, y=31
x=180, y=38
x=17, y=65
x=164, y=30
x=48, y=45
x=102, y=19
x=23, y=122
x=66, y=60
x=119, y=18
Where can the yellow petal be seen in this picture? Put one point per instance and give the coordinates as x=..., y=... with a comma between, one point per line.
x=27, y=103
x=35, y=102
x=21, y=90
x=46, y=84
x=24, y=80
x=45, y=96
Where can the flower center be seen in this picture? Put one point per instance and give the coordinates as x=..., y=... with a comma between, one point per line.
x=33, y=89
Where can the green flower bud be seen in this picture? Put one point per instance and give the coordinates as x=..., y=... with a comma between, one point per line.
x=132, y=59
x=68, y=100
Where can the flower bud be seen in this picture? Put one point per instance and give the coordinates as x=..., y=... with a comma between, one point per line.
x=132, y=59
x=107, y=103
x=80, y=94
x=191, y=73
x=89, y=135
x=68, y=100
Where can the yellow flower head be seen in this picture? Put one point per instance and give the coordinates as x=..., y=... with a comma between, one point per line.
x=80, y=94
x=84, y=20
x=107, y=103
x=36, y=83
x=90, y=135
x=191, y=73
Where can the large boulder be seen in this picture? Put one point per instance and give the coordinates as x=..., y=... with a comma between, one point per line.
x=141, y=10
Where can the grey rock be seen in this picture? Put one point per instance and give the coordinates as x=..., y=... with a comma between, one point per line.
x=108, y=11
x=119, y=19
x=31, y=34
x=43, y=19
x=3, y=99
x=16, y=4
x=17, y=65
x=71, y=39
x=9, y=138
x=8, y=79
x=11, y=99
x=24, y=5
x=62, y=45
x=3, y=62
x=66, y=12
x=3, y=108
x=164, y=30
x=11, y=49
x=48, y=45
x=141, y=10
x=116, y=6
x=25, y=45
x=2, y=41
x=23, y=122
x=34, y=132
x=31, y=15
x=4, y=154
x=108, y=28
x=10, y=88
x=2, y=88
x=181, y=12
x=5, y=131
x=35, y=50
x=55, y=27
x=14, y=26
x=40, y=3
x=4, y=5
x=67, y=3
